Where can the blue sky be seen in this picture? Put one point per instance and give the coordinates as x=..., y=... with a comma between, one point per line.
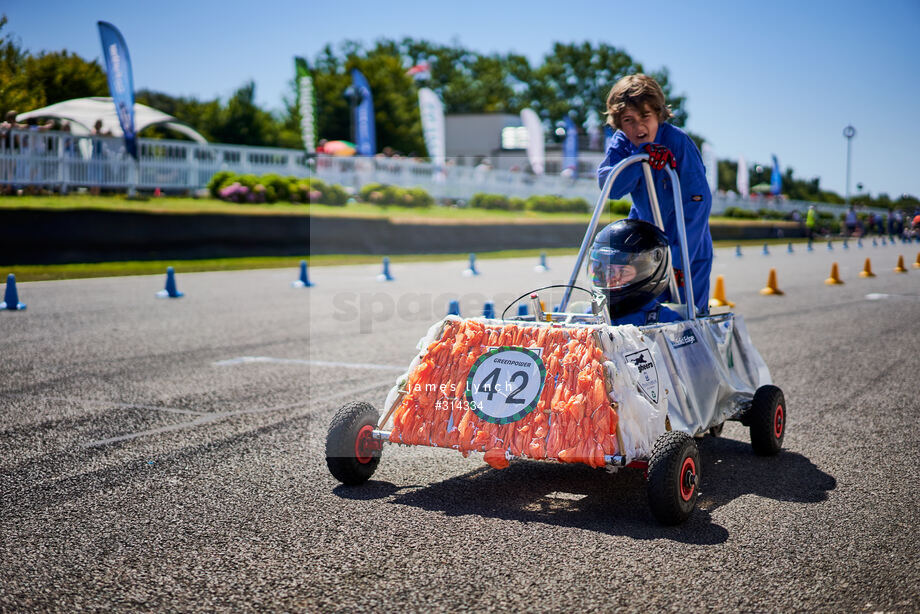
x=781, y=77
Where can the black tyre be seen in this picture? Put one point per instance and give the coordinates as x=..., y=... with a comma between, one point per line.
x=767, y=420
x=351, y=454
x=673, y=477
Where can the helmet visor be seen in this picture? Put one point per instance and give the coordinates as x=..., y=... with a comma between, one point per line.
x=611, y=269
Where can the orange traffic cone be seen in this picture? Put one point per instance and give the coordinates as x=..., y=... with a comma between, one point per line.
x=718, y=296
x=900, y=268
x=834, y=279
x=917, y=263
x=771, y=285
x=867, y=270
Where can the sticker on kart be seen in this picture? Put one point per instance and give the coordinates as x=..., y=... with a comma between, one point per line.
x=648, y=373
x=504, y=384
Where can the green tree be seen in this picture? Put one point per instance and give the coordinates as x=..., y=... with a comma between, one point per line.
x=61, y=75
x=242, y=122
x=396, y=113
x=16, y=93
x=575, y=78
x=469, y=82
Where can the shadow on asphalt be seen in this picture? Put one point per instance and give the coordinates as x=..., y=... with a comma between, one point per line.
x=591, y=499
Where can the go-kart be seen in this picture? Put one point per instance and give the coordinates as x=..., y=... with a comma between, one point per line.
x=568, y=386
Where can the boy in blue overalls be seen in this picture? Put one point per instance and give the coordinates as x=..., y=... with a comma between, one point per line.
x=636, y=109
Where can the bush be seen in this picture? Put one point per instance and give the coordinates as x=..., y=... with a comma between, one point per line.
x=619, y=207
x=393, y=196
x=496, y=201
x=218, y=181
x=741, y=213
x=270, y=188
x=557, y=204
x=772, y=214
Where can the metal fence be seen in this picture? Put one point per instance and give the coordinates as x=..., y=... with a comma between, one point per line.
x=64, y=162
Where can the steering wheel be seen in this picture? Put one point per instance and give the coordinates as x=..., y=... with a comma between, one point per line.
x=527, y=294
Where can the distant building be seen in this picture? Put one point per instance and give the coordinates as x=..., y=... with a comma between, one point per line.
x=501, y=138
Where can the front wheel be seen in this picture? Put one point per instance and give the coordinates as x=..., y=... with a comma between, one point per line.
x=352, y=455
x=673, y=477
x=767, y=420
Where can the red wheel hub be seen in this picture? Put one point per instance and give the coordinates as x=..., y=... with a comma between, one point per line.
x=687, y=479
x=366, y=445
x=778, y=421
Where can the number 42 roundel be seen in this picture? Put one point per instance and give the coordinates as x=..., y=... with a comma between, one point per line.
x=505, y=383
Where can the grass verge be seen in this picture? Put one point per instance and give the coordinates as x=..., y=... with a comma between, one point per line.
x=48, y=272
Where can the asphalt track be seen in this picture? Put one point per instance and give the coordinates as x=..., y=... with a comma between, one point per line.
x=167, y=455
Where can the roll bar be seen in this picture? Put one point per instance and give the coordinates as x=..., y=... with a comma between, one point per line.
x=656, y=214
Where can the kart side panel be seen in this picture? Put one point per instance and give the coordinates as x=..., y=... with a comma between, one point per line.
x=714, y=366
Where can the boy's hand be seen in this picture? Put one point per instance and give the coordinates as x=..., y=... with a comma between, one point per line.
x=659, y=155
x=679, y=277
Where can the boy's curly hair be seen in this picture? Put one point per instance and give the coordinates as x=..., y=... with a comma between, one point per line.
x=636, y=91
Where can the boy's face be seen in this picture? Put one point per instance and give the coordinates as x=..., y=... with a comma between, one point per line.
x=639, y=126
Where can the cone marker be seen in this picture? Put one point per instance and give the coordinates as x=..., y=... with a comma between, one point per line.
x=385, y=274
x=834, y=279
x=471, y=270
x=11, y=296
x=541, y=268
x=718, y=296
x=302, y=281
x=170, y=291
x=867, y=269
x=900, y=268
x=771, y=287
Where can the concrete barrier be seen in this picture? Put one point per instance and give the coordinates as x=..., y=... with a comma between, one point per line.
x=37, y=236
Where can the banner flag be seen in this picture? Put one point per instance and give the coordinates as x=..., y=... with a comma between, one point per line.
x=744, y=187
x=432, y=111
x=776, y=178
x=593, y=128
x=712, y=168
x=570, y=147
x=420, y=72
x=536, y=148
x=305, y=104
x=121, y=82
x=365, y=137
x=608, y=137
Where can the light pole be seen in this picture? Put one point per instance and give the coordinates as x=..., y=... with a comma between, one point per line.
x=849, y=132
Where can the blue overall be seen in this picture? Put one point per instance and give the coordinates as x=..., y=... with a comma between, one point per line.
x=652, y=312
x=697, y=201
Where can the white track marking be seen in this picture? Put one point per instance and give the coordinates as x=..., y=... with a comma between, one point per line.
x=312, y=363
x=879, y=296
x=102, y=403
x=208, y=418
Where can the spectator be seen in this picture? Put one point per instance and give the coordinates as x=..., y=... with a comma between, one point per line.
x=96, y=164
x=8, y=143
x=811, y=220
x=850, y=221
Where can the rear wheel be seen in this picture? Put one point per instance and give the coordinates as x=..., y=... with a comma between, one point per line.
x=767, y=420
x=352, y=455
x=673, y=477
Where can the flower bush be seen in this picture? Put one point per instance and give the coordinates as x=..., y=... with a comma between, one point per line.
x=271, y=188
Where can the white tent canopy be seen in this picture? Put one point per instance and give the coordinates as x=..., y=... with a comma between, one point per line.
x=83, y=113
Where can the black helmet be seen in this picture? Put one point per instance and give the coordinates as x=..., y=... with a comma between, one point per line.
x=629, y=262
